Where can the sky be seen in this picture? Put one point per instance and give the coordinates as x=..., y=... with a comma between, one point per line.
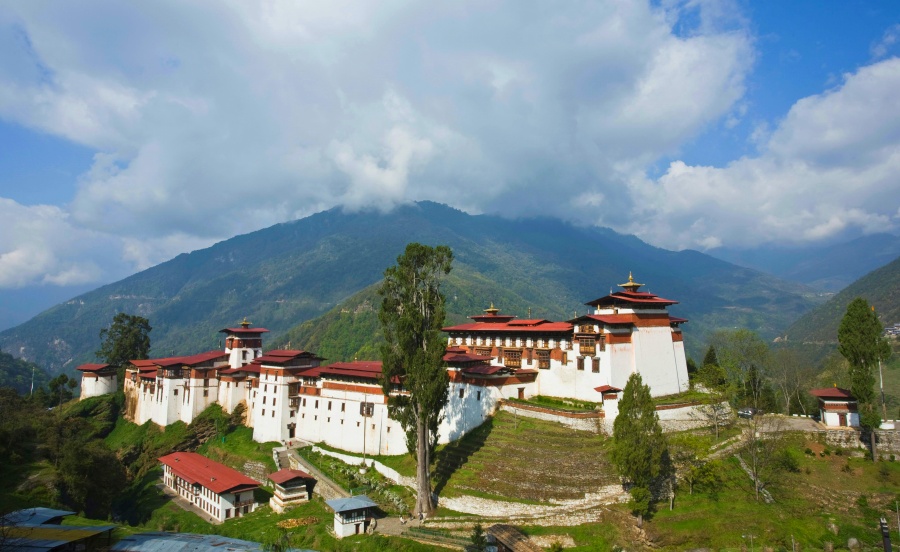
x=132, y=132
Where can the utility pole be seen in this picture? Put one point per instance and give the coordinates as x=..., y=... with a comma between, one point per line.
x=883, y=405
x=32, y=381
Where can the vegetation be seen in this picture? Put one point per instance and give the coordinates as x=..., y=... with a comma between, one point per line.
x=861, y=343
x=639, y=451
x=127, y=338
x=282, y=276
x=17, y=374
x=412, y=313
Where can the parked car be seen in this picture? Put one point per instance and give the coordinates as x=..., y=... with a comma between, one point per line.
x=747, y=412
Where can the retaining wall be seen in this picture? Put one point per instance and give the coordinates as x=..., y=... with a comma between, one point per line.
x=582, y=421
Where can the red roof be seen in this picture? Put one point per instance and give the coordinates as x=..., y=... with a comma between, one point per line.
x=454, y=356
x=633, y=297
x=832, y=393
x=283, y=357
x=191, y=360
x=491, y=327
x=243, y=330
x=92, y=367
x=359, y=369
x=484, y=369
x=143, y=363
x=283, y=476
x=195, y=468
x=607, y=389
x=611, y=319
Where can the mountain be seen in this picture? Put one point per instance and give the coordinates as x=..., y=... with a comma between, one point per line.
x=828, y=268
x=284, y=275
x=880, y=288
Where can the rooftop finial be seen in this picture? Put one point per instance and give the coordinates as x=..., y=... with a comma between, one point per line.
x=631, y=285
x=245, y=323
x=492, y=310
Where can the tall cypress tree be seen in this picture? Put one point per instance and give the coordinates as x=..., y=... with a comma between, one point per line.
x=639, y=450
x=862, y=344
x=412, y=314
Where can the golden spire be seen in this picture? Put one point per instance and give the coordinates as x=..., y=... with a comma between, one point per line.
x=245, y=323
x=493, y=310
x=631, y=285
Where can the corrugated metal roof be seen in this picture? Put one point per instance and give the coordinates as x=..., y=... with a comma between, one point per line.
x=34, y=516
x=186, y=542
x=352, y=503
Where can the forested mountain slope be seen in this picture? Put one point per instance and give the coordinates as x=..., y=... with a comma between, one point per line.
x=289, y=273
x=880, y=288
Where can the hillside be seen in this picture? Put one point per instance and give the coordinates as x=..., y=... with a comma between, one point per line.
x=828, y=268
x=18, y=374
x=289, y=273
x=880, y=287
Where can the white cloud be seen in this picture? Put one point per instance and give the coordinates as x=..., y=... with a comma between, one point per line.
x=39, y=245
x=215, y=118
x=829, y=167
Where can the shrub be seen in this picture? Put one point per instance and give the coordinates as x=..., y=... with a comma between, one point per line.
x=809, y=452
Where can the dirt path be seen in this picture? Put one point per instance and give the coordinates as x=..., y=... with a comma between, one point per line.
x=488, y=508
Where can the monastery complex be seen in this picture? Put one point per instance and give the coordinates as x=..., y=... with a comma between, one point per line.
x=291, y=394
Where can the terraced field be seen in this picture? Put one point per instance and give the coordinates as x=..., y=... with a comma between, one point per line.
x=524, y=459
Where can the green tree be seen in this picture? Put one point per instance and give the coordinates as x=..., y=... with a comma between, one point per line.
x=411, y=315
x=745, y=358
x=639, y=452
x=478, y=538
x=90, y=476
x=860, y=341
x=127, y=338
x=710, y=357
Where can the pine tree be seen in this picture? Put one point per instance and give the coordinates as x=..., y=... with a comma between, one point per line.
x=862, y=344
x=711, y=358
x=412, y=314
x=639, y=448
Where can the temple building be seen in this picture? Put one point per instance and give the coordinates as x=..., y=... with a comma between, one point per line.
x=290, y=395
x=97, y=379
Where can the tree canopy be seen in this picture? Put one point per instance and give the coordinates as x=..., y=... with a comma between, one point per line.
x=411, y=315
x=127, y=338
x=640, y=452
x=860, y=341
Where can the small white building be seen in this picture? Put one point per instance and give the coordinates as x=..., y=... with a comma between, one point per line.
x=837, y=407
x=221, y=492
x=97, y=379
x=352, y=516
x=292, y=487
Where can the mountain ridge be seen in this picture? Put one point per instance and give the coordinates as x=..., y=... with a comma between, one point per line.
x=289, y=273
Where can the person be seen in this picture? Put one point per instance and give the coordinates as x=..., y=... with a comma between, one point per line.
x=421, y=517
x=402, y=521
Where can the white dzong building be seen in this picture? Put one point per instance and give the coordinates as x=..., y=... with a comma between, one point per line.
x=288, y=395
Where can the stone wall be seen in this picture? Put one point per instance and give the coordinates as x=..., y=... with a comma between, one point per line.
x=887, y=441
x=581, y=421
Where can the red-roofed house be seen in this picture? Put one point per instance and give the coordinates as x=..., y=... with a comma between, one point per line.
x=292, y=487
x=837, y=407
x=218, y=490
x=97, y=379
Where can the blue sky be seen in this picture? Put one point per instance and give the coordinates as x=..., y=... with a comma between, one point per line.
x=131, y=133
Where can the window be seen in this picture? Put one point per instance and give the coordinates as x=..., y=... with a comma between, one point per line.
x=273, y=413
x=292, y=413
x=176, y=392
x=227, y=385
x=595, y=367
x=266, y=388
x=274, y=400
x=206, y=392
x=512, y=358
x=342, y=406
x=543, y=359
x=304, y=402
x=587, y=346
x=388, y=429
x=483, y=351
x=329, y=405
x=478, y=396
x=244, y=355
x=317, y=403
x=264, y=412
x=579, y=363
x=462, y=392
x=205, y=382
x=264, y=399
x=357, y=424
